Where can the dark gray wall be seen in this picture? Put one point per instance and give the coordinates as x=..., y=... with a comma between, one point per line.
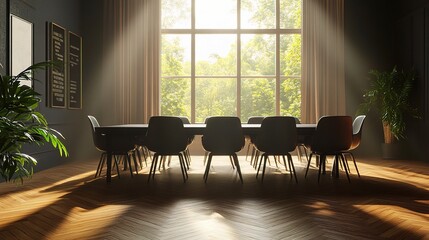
x=3, y=35
x=367, y=46
x=411, y=51
x=73, y=124
x=380, y=35
x=100, y=99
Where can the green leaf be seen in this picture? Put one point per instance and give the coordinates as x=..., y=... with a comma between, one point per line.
x=389, y=95
x=21, y=123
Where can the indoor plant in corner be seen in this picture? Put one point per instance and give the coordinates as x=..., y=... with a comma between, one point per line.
x=21, y=123
x=389, y=95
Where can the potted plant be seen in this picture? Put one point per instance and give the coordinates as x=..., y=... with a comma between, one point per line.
x=389, y=95
x=21, y=124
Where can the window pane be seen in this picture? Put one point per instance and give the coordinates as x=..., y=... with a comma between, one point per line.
x=215, y=97
x=176, y=14
x=216, y=58
x=258, y=14
x=290, y=97
x=176, y=55
x=258, y=97
x=258, y=54
x=215, y=14
x=176, y=97
x=216, y=54
x=290, y=14
x=290, y=55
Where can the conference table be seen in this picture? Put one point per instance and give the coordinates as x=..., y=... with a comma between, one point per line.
x=134, y=131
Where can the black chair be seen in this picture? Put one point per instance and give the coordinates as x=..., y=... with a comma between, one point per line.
x=166, y=137
x=251, y=138
x=223, y=136
x=191, y=138
x=356, y=139
x=117, y=146
x=333, y=137
x=141, y=149
x=277, y=137
x=300, y=147
x=206, y=153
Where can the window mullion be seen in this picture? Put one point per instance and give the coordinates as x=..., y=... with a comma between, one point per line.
x=278, y=73
x=238, y=58
x=193, y=107
x=243, y=107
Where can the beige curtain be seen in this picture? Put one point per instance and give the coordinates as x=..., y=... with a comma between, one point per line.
x=323, y=87
x=132, y=30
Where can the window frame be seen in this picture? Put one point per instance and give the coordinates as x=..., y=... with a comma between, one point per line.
x=193, y=31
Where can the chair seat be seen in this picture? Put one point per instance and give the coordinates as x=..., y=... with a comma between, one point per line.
x=223, y=136
x=166, y=137
x=356, y=138
x=114, y=145
x=278, y=137
x=333, y=136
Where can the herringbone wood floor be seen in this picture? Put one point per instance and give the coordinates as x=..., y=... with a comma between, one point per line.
x=389, y=201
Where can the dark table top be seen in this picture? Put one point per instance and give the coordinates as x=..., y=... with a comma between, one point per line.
x=194, y=129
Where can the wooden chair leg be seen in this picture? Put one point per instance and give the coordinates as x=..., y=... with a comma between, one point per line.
x=256, y=159
x=117, y=166
x=354, y=162
x=248, y=148
x=322, y=163
x=237, y=164
x=291, y=166
x=263, y=169
x=252, y=158
x=100, y=164
x=182, y=166
x=206, y=173
x=284, y=162
x=259, y=167
x=135, y=162
x=344, y=164
x=185, y=161
x=232, y=161
x=308, y=165
x=153, y=167
x=128, y=159
x=205, y=157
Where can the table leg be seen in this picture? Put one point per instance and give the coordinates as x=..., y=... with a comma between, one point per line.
x=335, y=167
x=109, y=167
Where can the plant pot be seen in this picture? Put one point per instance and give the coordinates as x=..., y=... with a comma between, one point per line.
x=388, y=136
x=393, y=151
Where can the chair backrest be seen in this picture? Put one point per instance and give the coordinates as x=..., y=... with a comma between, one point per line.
x=117, y=144
x=357, y=131
x=166, y=135
x=333, y=134
x=297, y=121
x=255, y=120
x=277, y=136
x=98, y=139
x=223, y=135
x=185, y=120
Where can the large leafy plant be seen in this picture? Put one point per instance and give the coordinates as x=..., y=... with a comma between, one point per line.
x=389, y=94
x=21, y=124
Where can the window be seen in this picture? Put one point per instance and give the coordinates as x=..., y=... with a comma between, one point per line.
x=230, y=57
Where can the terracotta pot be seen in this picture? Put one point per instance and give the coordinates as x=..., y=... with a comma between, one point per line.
x=388, y=136
x=395, y=150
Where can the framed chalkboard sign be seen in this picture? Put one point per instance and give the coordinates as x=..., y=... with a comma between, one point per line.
x=57, y=74
x=74, y=71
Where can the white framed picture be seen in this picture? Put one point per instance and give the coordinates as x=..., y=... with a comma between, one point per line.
x=21, y=46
